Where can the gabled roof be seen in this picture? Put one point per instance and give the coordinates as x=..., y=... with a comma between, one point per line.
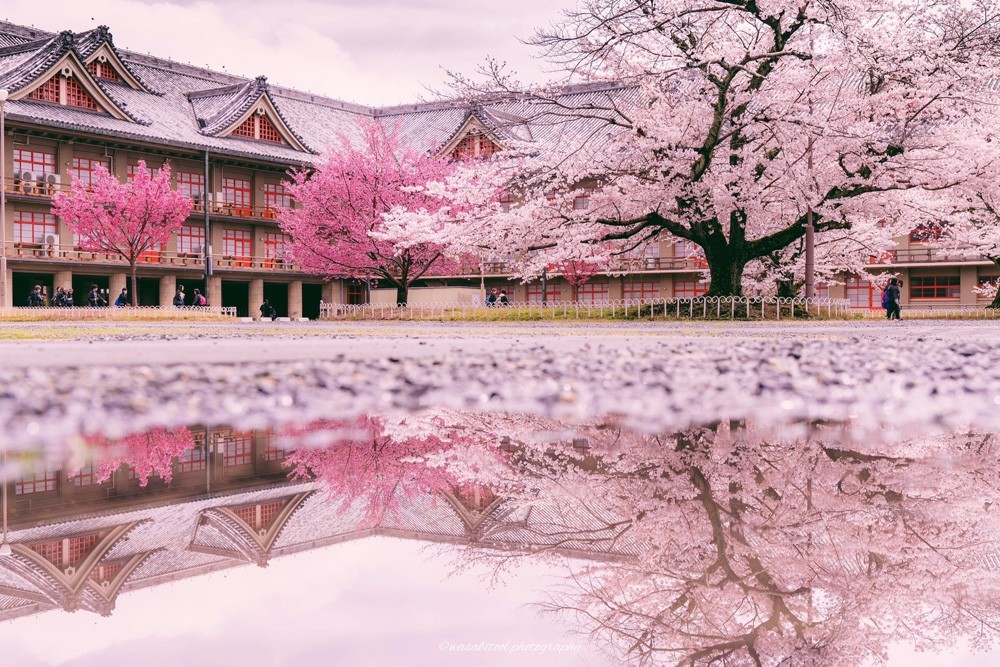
x=98, y=44
x=501, y=128
x=27, y=66
x=221, y=110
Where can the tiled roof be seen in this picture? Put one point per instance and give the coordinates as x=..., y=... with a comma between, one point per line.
x=92, y=40
x=185, y=94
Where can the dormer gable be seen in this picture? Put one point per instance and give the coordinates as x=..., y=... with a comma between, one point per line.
x=480, y=135
x=245, y=111
x=53, y=71
x=97, y=49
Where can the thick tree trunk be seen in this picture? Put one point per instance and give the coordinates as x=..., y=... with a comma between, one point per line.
x=726, y=269
x=133, y=286
x=402, y=292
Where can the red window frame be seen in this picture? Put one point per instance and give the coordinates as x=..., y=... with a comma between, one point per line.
x=356, y=293
x=47, y=92
x=942, y=287
x=506, y=202
x=593, y=292
x=77, y=96
x=31, y=227
x=37, y=162
x=84, y=168
x=47, y=481
x=273, y=453
x=267, y=513
x=237, y=192
x=80, y=547
x=581, y=202
x=689, y=288
x=51, y=551
x=191, y=239
x=191, y=184
x=103, y=71
x=237, y=448
x=276, y=196
x=245, y=129
x=552, y=293
x=106, y=571
x=133, y=169
x=641, y=290
x=237, y=243
x=276, y=245
x=862, y=294
x=266, y=131
x=193, y=458
x=87, y=476
x=466, y=148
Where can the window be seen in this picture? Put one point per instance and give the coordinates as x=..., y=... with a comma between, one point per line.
x=581, y=202
x=506, y=202
x=80, y=547
x=103, y=71
x=190, y=239
x=276, y=196
x=935, y=287
x=245, y=129
x=67, y=552
x=238, y=448
x=76, y=96
x=862, y=294
x=647, y=289
x=133, y=169
x=266, y=130
x=689, y=289
x=259, y=516
x=87, y=476
x=474, y=146
x=276, y=245
x=85, y=168
x=236, y=191
x=552, y=293
x=106, y=571
x=237, y=243
x=38, y=482
x=357, y=293
x=37, y=162
x=929, y=232
x=32, y=227
x=267, y=513
x=272, y=452
x=191, y=184
x=592, y=293
x=47, y=92
x=193, y=458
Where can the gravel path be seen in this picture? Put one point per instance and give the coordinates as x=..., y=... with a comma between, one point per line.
x=904, y=377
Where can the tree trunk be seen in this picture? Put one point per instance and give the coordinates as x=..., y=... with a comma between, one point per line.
x=402, y=291
x=787, y=289
x=134, y=285
x=726, y=270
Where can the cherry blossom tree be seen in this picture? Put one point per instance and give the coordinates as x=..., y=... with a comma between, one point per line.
x=125, y=218
x=972, y=229
x=734, y=124
x=337, y=229
x=149, y=453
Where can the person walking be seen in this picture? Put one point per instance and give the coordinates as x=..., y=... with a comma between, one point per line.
x=94, y=298
x=68, y=299
x=492, y=298
x=199, y=299
x=59, y=300
x=179, y=297
x=122, y=299
x=504, y=301
x=891, y=300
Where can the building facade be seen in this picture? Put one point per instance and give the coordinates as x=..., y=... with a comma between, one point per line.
x=77, y=103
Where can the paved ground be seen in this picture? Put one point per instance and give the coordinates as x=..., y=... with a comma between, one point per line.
x=875, y=375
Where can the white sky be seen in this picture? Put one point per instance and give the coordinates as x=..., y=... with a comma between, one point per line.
x=368, y=51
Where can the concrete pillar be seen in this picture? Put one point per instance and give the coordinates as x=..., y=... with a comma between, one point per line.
x=9, y=297
x=168, y=287
x=256, y=297
x=332, y=292
x=62, y=279
x=116, y=283
x=213, y=291
x=295, y=300
x=616, y=288
x=970, y=280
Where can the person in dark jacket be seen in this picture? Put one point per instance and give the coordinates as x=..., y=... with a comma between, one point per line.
x=179, y=297
x=36, y=299
x=94, y=298
x=122, y=299
x=267, y=310
x=199, y=299
x=892, y=309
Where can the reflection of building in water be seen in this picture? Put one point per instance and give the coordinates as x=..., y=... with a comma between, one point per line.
x=230, y=504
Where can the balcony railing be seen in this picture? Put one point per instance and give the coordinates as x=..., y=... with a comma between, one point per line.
x=923, y=255
x=48, y=251
x=39, y=185
x=619, y=265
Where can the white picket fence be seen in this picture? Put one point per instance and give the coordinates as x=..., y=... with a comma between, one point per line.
x=112, y=313
x=728, y=308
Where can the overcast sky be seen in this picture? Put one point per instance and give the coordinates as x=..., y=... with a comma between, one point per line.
x=368, y=51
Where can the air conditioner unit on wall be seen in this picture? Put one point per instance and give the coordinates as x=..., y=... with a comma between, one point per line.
x=52, y=240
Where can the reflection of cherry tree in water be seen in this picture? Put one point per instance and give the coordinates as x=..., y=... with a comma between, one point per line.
x=149, y=453
x=753, y=551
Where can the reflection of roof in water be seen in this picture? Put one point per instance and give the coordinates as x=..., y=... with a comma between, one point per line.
x=119, y=551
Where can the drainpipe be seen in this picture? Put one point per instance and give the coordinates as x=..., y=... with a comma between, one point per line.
x=211, y=298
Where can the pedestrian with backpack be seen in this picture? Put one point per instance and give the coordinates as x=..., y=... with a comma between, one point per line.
x=890, y=300
x=199, y=299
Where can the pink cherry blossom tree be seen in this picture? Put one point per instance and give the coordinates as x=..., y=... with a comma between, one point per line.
x=149, y=453
x=125, y=218
x=733, y=124
x=338, y=230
